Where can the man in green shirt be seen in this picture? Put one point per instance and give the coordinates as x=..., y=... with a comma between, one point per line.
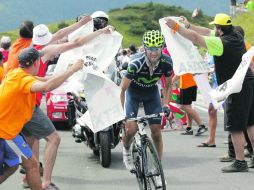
x=227, y=47
x=249, y=5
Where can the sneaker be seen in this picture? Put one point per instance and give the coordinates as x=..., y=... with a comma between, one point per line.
x=188, y=131
x=236, y=166
x=128, y=159
x=158, y=181
x=201, y=130
x=51, y=186
x=251, y=164
x=227, y=158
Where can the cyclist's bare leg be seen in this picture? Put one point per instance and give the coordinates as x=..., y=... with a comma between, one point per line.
x=157, y=138
x=32, y=173
x=130, y=130
x=8, y=171
x=189, y=120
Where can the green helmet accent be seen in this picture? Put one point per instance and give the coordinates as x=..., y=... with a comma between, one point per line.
x=153, y=38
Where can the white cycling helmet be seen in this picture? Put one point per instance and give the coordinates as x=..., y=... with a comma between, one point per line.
x=99, y=14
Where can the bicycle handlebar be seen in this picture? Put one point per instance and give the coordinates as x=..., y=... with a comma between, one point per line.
x=146, y=117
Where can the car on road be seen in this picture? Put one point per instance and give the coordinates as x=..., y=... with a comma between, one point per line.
x=56, y=101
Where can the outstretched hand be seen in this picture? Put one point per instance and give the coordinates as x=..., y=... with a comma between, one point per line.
x=185, y=21
x=108, y=29
x=77, y=65
x=85, y=19
x=170, y=22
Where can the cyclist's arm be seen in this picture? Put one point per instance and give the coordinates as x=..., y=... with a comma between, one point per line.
x=124, y=85
x=167, y=91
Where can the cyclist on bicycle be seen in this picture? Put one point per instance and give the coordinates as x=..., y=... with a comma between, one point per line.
x=140, y=85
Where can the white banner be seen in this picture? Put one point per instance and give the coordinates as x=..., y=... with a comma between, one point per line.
x=103, y=101
x=233, y=85
x=102, y=95
x=185, y=56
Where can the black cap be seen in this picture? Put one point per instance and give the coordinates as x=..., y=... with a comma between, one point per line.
x=28, y=56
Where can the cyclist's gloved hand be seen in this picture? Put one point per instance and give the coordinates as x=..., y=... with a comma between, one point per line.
x=166, y=110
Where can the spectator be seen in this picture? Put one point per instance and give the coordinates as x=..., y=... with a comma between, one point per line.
x=1, y=67
x=5, y=45
x=24, y=40
x=233, y=8
x=133, y=50
x=249, y=4
x=21, y=85
x=188, y=94
x=227, y=47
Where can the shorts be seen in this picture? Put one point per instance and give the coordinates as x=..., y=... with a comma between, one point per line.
x=188, y=95
x=151, y=102
x=14, y=149
x=239, y=108
x=39, y=126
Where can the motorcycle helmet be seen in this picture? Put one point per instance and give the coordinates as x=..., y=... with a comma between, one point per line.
x=100, y=19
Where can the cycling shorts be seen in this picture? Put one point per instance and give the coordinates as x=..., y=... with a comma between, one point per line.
x=151, y=102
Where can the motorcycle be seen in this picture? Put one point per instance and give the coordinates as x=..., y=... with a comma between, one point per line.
x=100, y=142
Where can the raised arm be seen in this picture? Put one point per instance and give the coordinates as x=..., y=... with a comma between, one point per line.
x=67, y=30
x=52, y=50
x=199, y=29
x=191, y=35
x=55, y=81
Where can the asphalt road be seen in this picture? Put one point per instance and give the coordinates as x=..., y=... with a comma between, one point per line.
x=185, y=165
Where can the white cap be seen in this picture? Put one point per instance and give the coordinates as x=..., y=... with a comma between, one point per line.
x=41, y=35
x=5, y=40
x=97, y=14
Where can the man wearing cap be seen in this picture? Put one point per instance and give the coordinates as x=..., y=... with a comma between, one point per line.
x=227, y=47
x=40, y=126
x=21, y=84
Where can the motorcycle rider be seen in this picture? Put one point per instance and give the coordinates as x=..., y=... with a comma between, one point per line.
x=140, y=85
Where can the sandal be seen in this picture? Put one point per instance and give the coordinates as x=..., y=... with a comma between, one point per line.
x=207, y=145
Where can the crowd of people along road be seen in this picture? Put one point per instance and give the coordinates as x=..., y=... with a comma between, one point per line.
x=23, y=69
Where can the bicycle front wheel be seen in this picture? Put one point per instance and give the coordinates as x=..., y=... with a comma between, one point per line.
x=152, y=167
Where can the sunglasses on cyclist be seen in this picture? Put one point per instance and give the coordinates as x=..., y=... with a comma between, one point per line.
x=153, y=49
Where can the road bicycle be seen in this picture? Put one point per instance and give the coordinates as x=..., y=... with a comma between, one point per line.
x=147, y=165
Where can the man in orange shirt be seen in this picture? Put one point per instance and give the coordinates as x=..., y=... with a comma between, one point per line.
x=24, y=41
x=188, y=94
x=21, y=85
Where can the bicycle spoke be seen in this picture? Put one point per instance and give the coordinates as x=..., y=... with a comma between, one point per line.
x=153, y=170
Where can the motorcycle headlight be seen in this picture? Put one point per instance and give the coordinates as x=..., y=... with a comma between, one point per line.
x=55, y=98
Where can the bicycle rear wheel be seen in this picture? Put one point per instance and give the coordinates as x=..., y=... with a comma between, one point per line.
x=154, y=176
